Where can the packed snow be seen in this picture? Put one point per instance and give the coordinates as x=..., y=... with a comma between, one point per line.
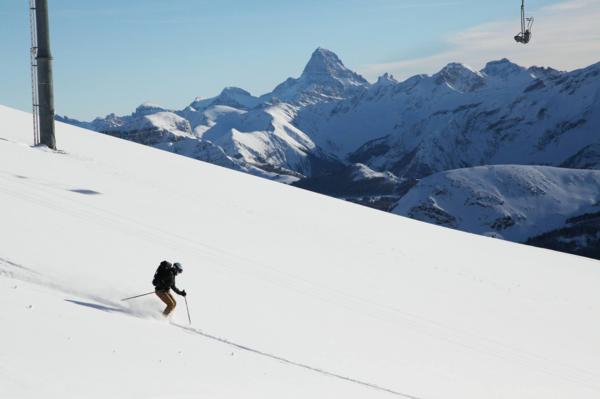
x=292, y=294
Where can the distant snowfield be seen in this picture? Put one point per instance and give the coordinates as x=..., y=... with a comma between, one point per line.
x=515, y=202
x=389, y=305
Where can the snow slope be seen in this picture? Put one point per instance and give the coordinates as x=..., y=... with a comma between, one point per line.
x=350, y=302
x=515, y=202
x=266, y=137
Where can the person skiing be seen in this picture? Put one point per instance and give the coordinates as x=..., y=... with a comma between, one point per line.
x=164, y=282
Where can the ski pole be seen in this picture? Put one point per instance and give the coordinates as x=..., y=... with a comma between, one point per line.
x=137, y=296
x=188, y=309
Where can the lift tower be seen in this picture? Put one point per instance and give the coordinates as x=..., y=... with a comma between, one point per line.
x=41, y=62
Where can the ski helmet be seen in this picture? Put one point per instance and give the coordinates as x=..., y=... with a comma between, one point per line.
x=178, y=267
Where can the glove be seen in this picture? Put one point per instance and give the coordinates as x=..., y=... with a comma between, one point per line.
x=183, y=293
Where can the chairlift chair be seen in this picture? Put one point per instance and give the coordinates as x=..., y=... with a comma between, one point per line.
x=524, y=36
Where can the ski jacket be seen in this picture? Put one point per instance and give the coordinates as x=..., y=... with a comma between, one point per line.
x=167, y=282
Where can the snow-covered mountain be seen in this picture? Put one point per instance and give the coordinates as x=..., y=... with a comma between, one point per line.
x=206, y=113
x=292, y=294
x=318, y=130
x=459, y=117
x=150, y=124
x=266, y=137
x=257, y=134
x=325, y=78
x=513, y=202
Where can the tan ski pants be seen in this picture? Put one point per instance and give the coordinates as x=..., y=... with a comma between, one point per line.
x=168, y=299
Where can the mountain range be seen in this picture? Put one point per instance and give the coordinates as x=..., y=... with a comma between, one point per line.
x=394, y=145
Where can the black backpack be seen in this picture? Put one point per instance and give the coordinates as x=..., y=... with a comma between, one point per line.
x=161, y=273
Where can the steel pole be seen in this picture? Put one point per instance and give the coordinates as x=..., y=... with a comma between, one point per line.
x=523, y=16
x=138, y=296
x=44, y=67
x=188, y=310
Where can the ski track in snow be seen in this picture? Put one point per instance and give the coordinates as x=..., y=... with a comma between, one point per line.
x=293, y=363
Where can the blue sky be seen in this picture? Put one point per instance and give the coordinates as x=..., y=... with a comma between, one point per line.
x=112, y=55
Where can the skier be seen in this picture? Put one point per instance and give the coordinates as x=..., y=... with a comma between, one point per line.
x=164, y=281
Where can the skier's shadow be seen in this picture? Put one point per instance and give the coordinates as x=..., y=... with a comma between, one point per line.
x=96, y=306
x=84, y=191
